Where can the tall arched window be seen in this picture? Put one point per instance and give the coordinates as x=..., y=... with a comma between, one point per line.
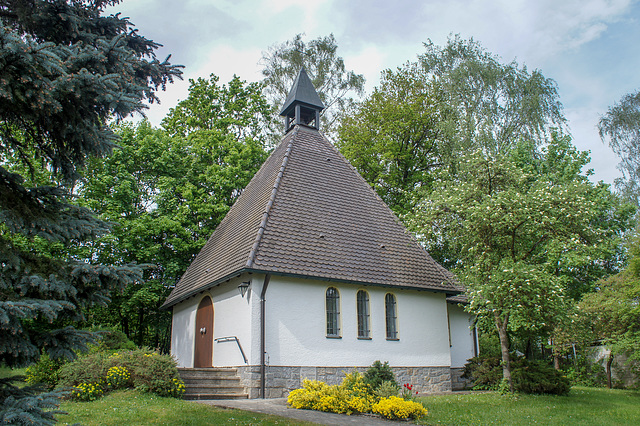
x=391, y=314
x=333, y=312
x=362, y=300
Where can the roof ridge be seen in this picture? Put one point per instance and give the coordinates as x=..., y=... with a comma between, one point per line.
x=274, y=193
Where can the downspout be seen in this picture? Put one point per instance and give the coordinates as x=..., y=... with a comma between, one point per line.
x=263, y=368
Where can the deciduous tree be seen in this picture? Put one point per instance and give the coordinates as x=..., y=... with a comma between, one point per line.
x=621, y=127
x=518, y=234
x=167, y=190
x=327, y=71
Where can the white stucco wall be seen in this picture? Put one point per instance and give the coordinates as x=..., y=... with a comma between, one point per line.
x=231, y=317
x=183, y=326
x=296, y=329
x=462, y=341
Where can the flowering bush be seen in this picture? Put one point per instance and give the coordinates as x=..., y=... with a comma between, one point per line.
x=354, y=395
x=88, y=391
x=398, y=408
x=118, y=377
x=142, y=369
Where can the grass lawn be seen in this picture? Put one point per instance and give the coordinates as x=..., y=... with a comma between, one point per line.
x=135, y=408
x=585, y=406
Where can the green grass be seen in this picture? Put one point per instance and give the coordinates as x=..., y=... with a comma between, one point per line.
x=6, y=372
x=136, y=408
x=583, y=406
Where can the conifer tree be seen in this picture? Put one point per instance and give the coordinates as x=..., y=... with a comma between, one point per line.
x=65, y=71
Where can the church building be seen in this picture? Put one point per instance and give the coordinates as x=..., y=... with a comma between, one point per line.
x=311, y=275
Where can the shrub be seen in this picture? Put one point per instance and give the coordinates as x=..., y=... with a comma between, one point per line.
x=484, y=371
x=538, y=377
x=149, y=371
x=352, y=396
x=398, y=408
x=378, y=373
x=46, y=372
x=386, y=389
x=112, y=339
x=118, y=378
x=527, y=376
x=88, y=391
x=587, y=373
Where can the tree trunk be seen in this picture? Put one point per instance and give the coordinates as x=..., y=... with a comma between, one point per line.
x=556, y=358
x=609, y=362
x=501, y=325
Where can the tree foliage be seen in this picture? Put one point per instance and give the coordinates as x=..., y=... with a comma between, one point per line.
x=66, y=70
x=397, y=137
x=426, y=115
x=167, y=190
x=519, y=234
x=621, y=126
x=497, y=105
x=610, y=315
x=325, y=68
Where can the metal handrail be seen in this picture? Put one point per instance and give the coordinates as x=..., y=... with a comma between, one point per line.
x=231, y=339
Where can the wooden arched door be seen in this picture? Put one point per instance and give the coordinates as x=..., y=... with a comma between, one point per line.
x=204, y=334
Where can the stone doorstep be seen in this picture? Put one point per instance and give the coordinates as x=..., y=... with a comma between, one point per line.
x=214, y=396
x=214, y=381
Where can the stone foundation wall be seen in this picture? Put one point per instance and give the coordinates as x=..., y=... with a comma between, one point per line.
x=458, y=382
x=280, y=380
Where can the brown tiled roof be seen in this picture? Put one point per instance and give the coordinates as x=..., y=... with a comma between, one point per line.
x=308, y=213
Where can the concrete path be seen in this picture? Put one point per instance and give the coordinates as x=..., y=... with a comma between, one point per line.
x=279, y=407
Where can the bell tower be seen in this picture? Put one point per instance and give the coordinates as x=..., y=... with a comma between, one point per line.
x=303, y=105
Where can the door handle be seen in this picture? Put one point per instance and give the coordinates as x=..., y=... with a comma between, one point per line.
x=203, y=330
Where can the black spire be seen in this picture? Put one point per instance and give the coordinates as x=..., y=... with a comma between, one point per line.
x=303, y=105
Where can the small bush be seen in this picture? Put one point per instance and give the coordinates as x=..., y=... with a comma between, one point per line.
x=45, y=371
x=538, y=377
x=527, y=376
x=112, y=339
x=398, y=408
x=118, y=378
x=484, y=371
x=378, y=373
x=387, y=389
x=149, y=371
x=88, y=391
x=352, y=396
x=587, y=373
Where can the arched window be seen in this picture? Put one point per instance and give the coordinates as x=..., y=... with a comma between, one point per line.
x=333, y=312
x=391, y=314
x=362, y=300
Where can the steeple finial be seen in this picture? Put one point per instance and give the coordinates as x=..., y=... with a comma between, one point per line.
x=303, y=105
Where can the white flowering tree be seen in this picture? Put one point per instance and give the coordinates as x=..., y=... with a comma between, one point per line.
x=518, y=228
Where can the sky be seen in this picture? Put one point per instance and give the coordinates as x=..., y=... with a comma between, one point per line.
x=591, y=48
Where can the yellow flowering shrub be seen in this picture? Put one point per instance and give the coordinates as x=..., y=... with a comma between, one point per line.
x=87, y=391
x=118, y=377
x=398, y=408
x=352, y=396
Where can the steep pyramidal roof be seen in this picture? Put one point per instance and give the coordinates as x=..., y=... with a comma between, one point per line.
x=302, y=92
x=308, y=213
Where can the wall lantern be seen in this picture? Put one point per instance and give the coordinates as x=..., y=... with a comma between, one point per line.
x=243, y=287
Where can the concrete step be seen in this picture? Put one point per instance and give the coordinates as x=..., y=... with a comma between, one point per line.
x=212, y=383
x=205, y=396
x=212, y=380
x=209, y=389
x=186, y=373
